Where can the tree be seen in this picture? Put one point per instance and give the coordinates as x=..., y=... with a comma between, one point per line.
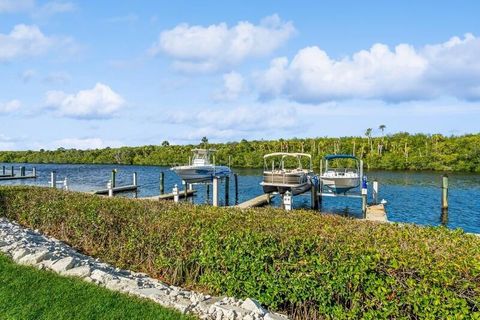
x=368, y=133
x=382, y=127
x=380, y=145
x=165, y=143
x=204, y=142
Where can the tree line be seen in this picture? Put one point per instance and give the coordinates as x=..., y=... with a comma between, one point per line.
x=399, y=151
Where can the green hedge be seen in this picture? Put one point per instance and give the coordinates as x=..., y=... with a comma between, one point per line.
x=309, y=265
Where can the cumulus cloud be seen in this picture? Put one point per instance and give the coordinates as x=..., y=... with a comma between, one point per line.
x=10, y=106
x=9, y=6
x=29, y=40
x=399, y=74
x=204, y=49
x=99, y=102
x=82, y=143
x=233, y=86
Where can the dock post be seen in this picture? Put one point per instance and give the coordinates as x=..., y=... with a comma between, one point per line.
x=34, y=172
x=134, y=180
x=53, y=179
x=215, y=192
x=364, y=196
x=65, y=184
x=227, y=190
x=314, y=196
x=110, y=188
x=13, y=171
x=444, y=216
x=185, y=189
x=3, y=170
x=190, y=186
x=235, y=176
x=22, y=171
x=375, y=191
x=287, y=201
x=176, y=194
x=114, y=173
x=207, y=193
x=162, y=182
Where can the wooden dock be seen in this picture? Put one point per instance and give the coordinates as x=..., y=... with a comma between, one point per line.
x=376, y=213
x=256, y=202
x=170, y=196
x=10, y=177
x=117, y=189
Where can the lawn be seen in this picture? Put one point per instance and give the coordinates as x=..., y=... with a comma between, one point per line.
x=28, y=293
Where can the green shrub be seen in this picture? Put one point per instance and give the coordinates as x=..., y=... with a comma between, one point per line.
x=306, y=264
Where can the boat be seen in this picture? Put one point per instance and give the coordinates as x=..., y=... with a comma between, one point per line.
x=200, y=168
x=340, y=180
x=279, y=179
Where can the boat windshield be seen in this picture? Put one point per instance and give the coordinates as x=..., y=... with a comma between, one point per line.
x=201, y=157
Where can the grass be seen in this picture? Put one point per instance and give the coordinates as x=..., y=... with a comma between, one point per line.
x=28, y=293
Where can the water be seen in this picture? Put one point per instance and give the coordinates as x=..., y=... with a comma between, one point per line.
x=412, y=196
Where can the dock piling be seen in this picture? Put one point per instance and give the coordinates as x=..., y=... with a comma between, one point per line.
x=215, y=192
x=114, y=173
x=13, y=171
x=185, y=190
x=134, y=179
x=235, y=176
x=22, y=171
x=375, y=191
x=65, y=184
x=314, y=196
x=162, y=182
x=207, y=193
x=287, y=201
x=227, y=190
x=34, y=172
x=53, y=179
x=110, y=187
x=3, y=170
x=444, y=215
x=176, y=194
x=364, y=196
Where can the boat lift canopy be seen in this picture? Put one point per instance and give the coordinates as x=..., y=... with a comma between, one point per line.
x=339, y=156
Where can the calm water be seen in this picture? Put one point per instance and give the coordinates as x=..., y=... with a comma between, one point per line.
x=412, y=196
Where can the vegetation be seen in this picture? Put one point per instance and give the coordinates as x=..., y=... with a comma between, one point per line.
x=400, y=151
x=309, y=265
x=28, y=293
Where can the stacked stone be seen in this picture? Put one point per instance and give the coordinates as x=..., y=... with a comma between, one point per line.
x=29, y=247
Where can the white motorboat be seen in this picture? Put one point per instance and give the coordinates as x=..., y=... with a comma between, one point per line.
x=340, y=180
x=277, y=177
x=200, y=169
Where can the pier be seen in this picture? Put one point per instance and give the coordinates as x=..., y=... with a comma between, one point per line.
x=112, y=188
x=12, y=176
x=259, y=201
x=171, y=196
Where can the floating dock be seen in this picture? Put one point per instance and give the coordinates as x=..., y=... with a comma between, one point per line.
x=170, y=196
x=256, y=202
x=376, y=213
x=117, y=189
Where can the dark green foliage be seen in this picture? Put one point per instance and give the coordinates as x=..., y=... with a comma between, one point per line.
x=397, y=152
x=28, y=293
x=308, y=265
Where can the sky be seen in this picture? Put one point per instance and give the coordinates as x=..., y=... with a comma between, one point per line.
x=91, y=74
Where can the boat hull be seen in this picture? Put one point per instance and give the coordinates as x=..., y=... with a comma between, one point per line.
x=340, y=184
x=296, y=183
x=196, y=174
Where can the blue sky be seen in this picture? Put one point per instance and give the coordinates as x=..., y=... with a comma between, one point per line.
x=88, y=74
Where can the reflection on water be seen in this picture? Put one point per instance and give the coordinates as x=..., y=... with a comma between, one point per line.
x=412, y=196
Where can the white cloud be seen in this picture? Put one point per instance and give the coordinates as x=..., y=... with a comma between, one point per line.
x=10, y=106
x=99, y=102
x=10, y=6
x=203, y=49
x=58, y=77
x=6, y=143
x=404, y=73
x=52, y=8
x=233, y=86
x=82, y=143
x=29, y=41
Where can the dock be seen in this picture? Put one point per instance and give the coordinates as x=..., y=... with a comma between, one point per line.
x=170, y=196
x=256, y=202
x=10, y=177
x=376, y=213
x=117, y=189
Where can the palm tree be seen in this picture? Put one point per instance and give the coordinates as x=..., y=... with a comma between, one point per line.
x=205, y=142
x=380, y=146
x=382, y=127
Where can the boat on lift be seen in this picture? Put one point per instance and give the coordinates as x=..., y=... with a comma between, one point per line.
x=340, y=180
x=200, y=168
x=277, y=177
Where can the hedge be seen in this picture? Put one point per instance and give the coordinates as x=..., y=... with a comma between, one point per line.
x=305, y=264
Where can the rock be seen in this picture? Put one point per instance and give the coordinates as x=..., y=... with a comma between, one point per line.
x=149, y=292
x=3, y=243
x=20, y=253
x=182, y=305
x=248, y=317
x=254, y=306
x=81, y=271
x=100, y=276
x=274, y=316
x=35, y=258
x=63, y=264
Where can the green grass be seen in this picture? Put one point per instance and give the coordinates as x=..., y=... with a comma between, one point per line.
x=28, y=293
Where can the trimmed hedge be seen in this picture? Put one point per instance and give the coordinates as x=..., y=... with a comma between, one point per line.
x=306, y=264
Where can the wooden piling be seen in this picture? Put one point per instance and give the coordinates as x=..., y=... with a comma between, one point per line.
x=215, y=192
x=134, y=179
x=13, y=171
x=445, y=191
x=207, y=195
x=176, y=193
x=287, y=200
x=114, y=173
x=3, y=170
x=110, y=188
x=314, y=197
x=34, y=172
x=22, y=171
x=53, y=179
x=185, y=190
x=235, y=176
x=227, y=190
x=162, y=182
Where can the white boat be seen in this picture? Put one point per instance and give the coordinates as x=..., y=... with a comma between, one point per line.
x=340, y=180
x=200, y=169
x=278, y=178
